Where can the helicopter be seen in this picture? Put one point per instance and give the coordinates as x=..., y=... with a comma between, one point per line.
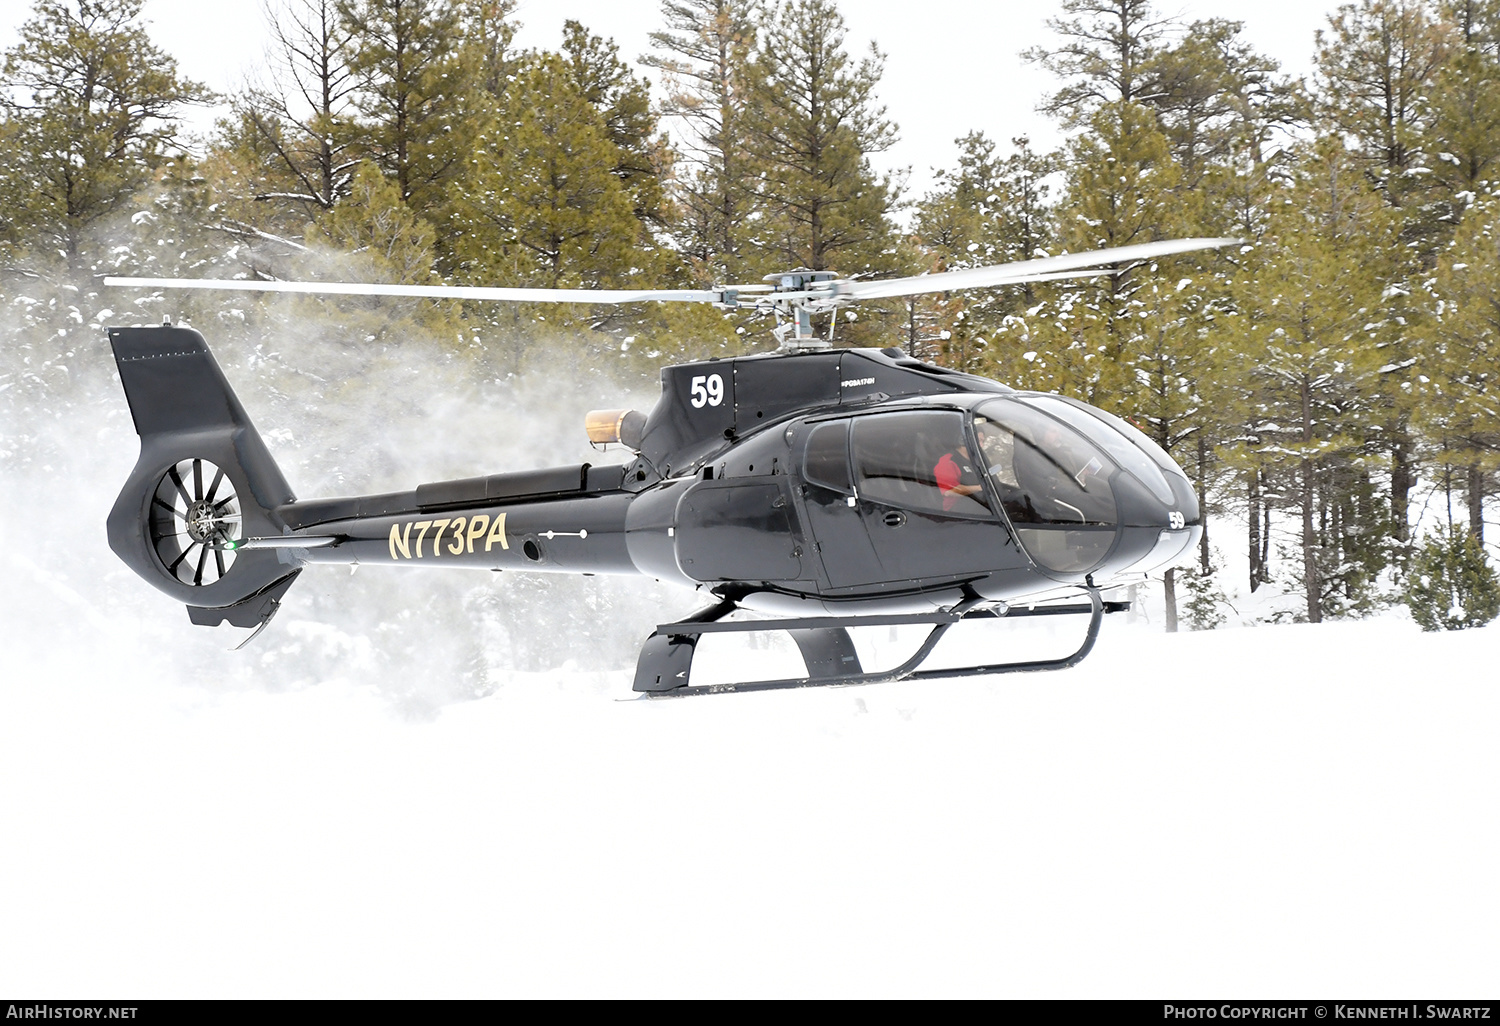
x=818, y=489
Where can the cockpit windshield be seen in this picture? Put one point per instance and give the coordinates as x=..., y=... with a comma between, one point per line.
x=1126, y=445
x=1043, y=472
x=1054, y=484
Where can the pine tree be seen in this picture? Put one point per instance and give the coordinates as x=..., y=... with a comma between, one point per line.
x=1122, y=189
x=285, y=153
x=1140, y=342
x=413, y=96
x=989, y=210
x=1203, y=610
x=1462, y=405
x=1315, y=362
x=485, y=53
x=17, y=199
x=811, y=125
x=87, y=128
x=1107, y=57
x=624, y=103
x=1463, y=137
x=1217, y=103
x=1450, y=585
x=392, y=243
x=301, y=119
x=368, y=235
x=541, y=204
x=1240, y=206
x=88, y=120
x=1375, y=63
x=1218, y=100
x=703, y=54
x=1378, y=63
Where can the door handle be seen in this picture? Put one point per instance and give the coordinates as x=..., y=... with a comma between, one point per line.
x=895, y=518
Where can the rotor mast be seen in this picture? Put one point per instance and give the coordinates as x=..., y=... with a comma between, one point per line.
x=795, y=296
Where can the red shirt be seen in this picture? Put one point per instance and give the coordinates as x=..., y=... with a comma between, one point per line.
x=947, y=476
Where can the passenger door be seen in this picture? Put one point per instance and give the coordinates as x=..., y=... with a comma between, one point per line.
x=918, y=523
x=832, y=511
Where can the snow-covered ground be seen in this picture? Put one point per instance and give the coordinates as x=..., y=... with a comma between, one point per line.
x=1277, y=811
x=441, y=785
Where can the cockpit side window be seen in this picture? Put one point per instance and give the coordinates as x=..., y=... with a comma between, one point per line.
x=827, y=460
x=919, y=460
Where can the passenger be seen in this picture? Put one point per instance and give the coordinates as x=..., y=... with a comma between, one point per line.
x=955, y=477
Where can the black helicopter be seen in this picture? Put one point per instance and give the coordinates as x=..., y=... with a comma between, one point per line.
x=828, y=488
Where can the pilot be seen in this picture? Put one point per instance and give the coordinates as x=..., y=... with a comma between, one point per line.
x=955, y=476
x=996, y=449
x=1040, y=473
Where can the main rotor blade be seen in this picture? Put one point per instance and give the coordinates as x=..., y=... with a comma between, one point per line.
x=344, y=288
x=1102, y=261
x=1043, y=269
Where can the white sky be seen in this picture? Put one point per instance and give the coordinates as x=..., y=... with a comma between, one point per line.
x=952, y=65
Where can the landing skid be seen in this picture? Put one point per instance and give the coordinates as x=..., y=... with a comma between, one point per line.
x=665, y=665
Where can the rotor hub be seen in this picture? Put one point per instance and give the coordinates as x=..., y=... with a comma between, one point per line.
x=202, y=521
x=194, y=525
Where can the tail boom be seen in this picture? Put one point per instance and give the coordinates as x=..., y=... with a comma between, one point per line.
x=560, y=535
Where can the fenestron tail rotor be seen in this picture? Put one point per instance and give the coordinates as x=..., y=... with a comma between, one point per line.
x=195, y=522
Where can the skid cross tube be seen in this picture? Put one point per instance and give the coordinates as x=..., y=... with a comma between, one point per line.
x=689, y=630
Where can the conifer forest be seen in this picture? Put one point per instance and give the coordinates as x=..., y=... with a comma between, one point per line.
x=1318, y=382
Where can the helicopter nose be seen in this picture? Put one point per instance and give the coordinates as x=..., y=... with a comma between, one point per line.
x=1177, y=524
x=1159, y=524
